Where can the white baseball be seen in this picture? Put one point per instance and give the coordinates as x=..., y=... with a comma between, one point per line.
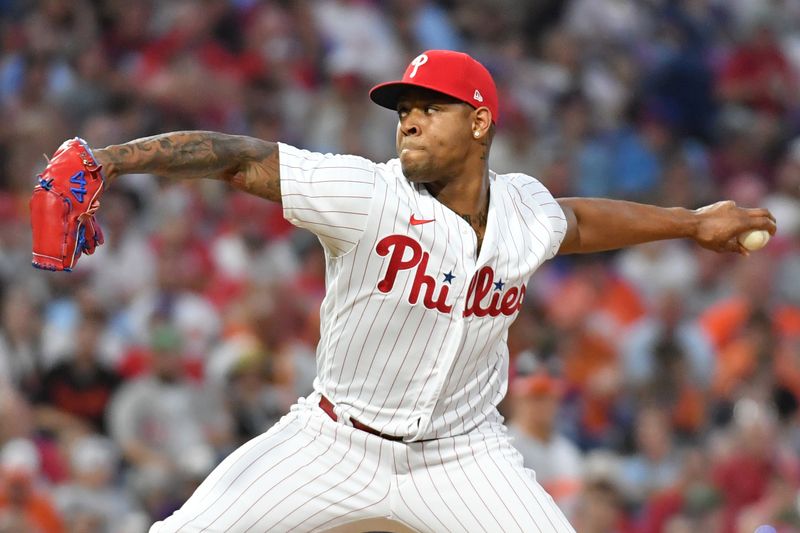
x=754, y=239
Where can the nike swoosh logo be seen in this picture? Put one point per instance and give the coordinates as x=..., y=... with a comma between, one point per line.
x=418, y=221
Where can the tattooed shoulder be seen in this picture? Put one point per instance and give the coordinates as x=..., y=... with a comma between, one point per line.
x=258, y=171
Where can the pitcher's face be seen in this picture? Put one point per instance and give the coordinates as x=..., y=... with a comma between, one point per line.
x=434, y=135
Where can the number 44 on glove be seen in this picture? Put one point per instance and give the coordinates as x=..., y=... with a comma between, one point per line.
x=63, y=206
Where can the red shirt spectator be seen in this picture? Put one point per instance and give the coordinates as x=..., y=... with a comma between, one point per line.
x=757, y=74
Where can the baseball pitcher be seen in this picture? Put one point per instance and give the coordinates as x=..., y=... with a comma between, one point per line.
x=428, y=256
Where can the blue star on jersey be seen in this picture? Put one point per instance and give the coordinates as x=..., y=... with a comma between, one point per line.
x=498, y=285
x=448, y=278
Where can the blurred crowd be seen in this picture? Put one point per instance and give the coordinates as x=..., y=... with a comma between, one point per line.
x=652, y=389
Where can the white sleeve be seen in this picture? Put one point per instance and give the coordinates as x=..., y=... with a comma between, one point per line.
x=329, y=195
x=546, y=210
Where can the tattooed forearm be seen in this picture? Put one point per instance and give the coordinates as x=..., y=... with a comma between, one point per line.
x=173, y=155
x=246, y=163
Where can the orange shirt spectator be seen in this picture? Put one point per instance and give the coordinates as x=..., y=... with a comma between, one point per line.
x=20, y=501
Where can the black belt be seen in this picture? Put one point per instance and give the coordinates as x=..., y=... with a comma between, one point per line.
x=326, y=405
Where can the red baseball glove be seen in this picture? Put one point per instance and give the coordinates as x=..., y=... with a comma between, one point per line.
x=63, y=206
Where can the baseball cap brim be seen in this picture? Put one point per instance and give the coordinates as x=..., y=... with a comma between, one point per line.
x=538, y=385
x=388, y=94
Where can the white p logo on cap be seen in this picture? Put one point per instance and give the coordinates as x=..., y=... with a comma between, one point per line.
x=418, y=62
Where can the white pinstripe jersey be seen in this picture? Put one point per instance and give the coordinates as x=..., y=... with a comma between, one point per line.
x=414, y=322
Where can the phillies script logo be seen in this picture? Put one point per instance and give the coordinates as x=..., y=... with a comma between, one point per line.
x=482, y=283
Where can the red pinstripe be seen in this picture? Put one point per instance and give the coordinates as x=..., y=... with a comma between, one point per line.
x=488, y=482
x=327, y=236
x=438, y=351
x=402, y=498
x=319, y=196
x=309, y=483
x=317, y=181
x=358, y=324
x=435, y=488
x=354, y=511
x=535, y=496
x=330, y=211
x=249, y=487
x=339, y=226
x=221, y=493
x=421, y=497
x=360, y=462
x=347, y=294
x=337, y=167
x=508, y=482
x=455, y=489
x=502, y=499
x=430, y=228
x=397, y=303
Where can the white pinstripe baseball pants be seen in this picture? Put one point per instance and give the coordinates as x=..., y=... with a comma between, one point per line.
x=309, y=473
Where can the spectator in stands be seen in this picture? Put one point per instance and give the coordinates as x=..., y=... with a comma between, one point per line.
x=20, y=357
x=692, y=501
x=784, y=201
x=16, y=418
x=753, y=457
x=600, y=509
x=556, y=461
x=655, y=465
x=665, y=325
x=75, y=393
x=126, y=267
x=246, y=371
x=91, y=500
x=757, y=73
x=183, y=269
x=23, y=502
x=164, y=424
x=777, y=507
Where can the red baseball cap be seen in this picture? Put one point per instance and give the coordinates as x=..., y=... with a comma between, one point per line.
x=538, y=385
x=452, y=73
